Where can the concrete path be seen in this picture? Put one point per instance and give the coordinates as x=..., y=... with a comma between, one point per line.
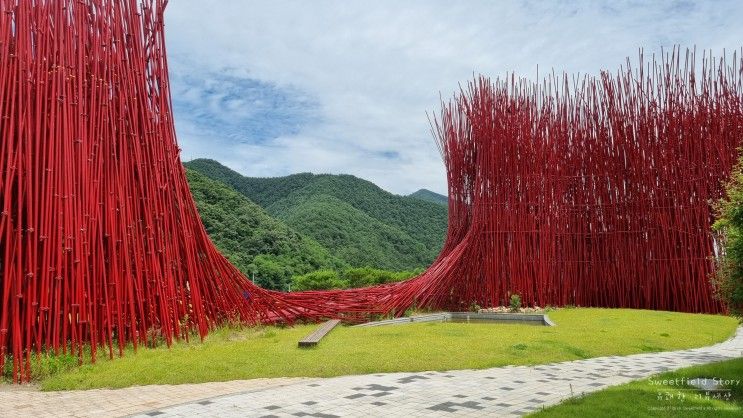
x=28, y=401
x=504, y=391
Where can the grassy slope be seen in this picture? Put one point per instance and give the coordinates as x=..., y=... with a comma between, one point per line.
x=424, y=222
x=243, y=232
x=640, y=399
x=271, y=352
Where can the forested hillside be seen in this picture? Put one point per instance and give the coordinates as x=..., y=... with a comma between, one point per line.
x=359, y=222
x=429, y=196
x=350, y=234
x=254, y=241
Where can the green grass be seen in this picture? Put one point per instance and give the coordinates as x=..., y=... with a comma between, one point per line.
x=271, y=352
x=652, y=398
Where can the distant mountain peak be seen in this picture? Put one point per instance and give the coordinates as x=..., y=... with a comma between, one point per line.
x=429, y=196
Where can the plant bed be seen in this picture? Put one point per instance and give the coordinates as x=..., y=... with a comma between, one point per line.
x=469, y=317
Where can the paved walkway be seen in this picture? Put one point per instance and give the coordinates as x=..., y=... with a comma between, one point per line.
x=28, y=401
x=505, y=391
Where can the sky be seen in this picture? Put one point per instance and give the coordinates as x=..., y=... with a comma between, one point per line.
x=271, y=88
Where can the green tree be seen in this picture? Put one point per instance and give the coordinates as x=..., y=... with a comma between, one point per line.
x=367, y=276
x=319, y=280
x=728, y=279
x=349, y=278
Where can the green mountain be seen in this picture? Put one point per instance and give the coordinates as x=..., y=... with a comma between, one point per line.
x=351, y=234
x=429, y=196
x=253, y=240
x=359, y=223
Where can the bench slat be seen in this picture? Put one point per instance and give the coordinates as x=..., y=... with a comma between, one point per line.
x=312, y=339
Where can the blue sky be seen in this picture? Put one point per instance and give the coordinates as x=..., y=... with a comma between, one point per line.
x=277, y=87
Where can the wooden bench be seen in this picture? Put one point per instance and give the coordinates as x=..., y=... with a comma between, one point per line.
x=321, y=331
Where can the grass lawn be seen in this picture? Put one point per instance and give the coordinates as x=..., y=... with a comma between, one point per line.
x=229, y=354
x=652, y=398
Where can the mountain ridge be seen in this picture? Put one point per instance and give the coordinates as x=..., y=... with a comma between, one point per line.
x=251, y=239
x=354, y=218
x=430, y=196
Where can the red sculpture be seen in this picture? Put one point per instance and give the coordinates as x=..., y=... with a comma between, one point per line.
x=592, y=192
x=100, y=241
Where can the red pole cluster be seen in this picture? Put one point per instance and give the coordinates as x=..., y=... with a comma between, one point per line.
x=590, y=191
x=100, y=241
x=593, y=192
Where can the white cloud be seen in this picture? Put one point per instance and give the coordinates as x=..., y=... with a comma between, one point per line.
x=372, y=69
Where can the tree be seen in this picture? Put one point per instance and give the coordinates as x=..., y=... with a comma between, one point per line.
x=318, y=280
x=728, y=279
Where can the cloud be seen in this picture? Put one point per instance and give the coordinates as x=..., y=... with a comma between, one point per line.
x=277, y=87
x=239, y=109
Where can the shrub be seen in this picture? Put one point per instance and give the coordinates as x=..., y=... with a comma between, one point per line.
x=367, y=276
x=7, y=371
x=515, y=303
x=42, y=366
x=48, y=365
x=154, y=337
x=318, y=280
x=350, y=278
